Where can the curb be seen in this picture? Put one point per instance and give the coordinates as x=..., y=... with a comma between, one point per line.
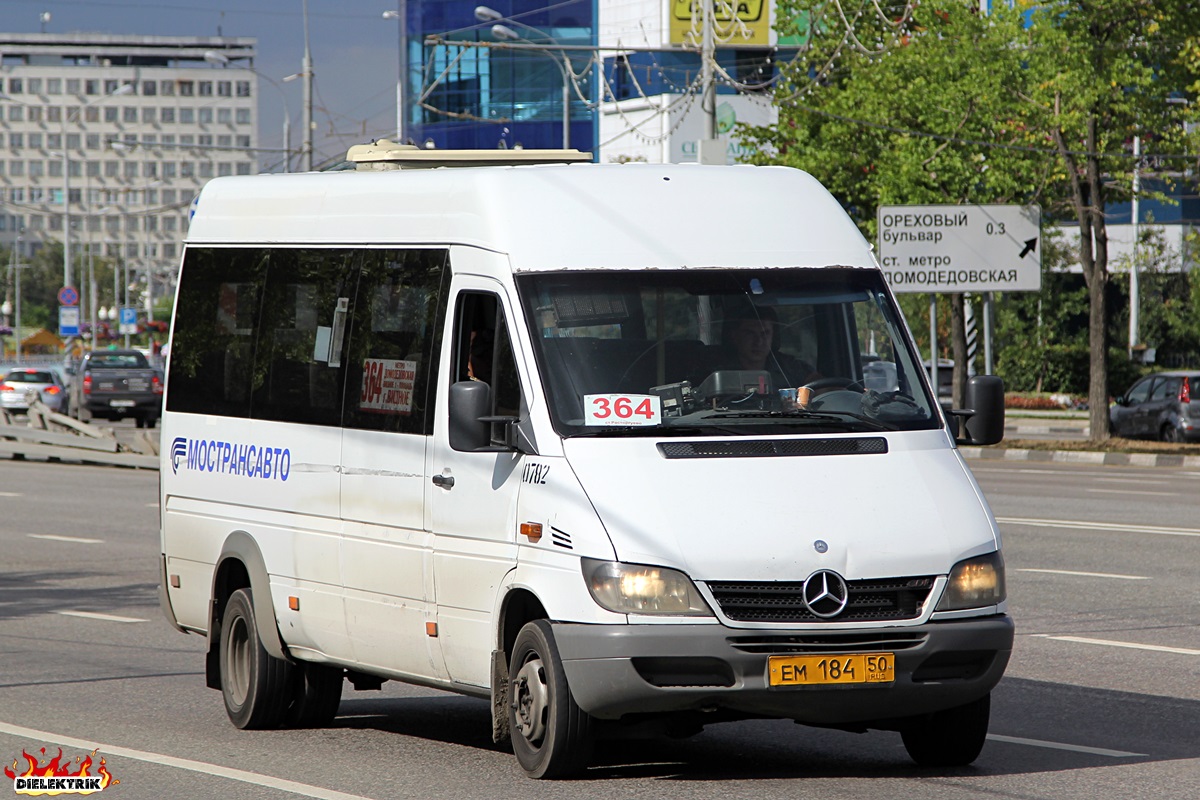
x=1080, y=457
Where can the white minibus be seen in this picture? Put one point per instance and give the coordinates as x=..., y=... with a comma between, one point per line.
x=595, y=442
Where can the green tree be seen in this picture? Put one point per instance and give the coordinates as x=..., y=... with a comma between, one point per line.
x=1106, y=71
x=935, y=103
x=925, y=116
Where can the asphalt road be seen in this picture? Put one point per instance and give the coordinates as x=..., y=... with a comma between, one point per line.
x=1101, y=699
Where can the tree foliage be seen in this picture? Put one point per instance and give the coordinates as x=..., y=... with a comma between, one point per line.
x=1034, y=103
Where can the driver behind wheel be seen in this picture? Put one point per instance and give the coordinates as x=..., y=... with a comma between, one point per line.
x=749, y=344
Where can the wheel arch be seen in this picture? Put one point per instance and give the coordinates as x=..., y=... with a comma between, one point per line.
x=240, y=566
x=519, y=607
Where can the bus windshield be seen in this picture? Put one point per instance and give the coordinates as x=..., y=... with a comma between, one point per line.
x=723, y=352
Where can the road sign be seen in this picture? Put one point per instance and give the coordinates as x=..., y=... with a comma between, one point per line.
x=128, y=320
x=68, y=320
x=68, y=296
x=951, y=248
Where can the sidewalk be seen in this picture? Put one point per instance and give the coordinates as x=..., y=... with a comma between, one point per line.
x=1002, y=453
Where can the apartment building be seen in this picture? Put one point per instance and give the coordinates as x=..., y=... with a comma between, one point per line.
x=110, y=137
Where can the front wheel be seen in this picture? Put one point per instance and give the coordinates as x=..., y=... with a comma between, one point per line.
x=551, y=736
x=256, y=685
x=950, y=738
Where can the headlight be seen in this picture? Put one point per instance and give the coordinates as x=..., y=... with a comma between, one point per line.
x=640, y=589
x=974, y=583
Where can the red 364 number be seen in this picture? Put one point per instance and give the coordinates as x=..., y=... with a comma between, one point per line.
x=622, y=409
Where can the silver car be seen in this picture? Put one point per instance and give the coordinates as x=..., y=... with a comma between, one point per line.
x=18, y=383
x=1160, y=406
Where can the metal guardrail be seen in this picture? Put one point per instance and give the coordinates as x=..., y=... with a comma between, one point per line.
x=57, y=437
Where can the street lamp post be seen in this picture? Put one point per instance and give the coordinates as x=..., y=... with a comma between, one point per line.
x=504, y=32
x=401, y=16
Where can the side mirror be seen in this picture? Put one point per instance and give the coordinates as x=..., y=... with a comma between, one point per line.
x=470, y=403
x=1122, y=400
x=982, y=421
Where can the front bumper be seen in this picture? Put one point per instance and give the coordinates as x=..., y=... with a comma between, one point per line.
x=615, y=670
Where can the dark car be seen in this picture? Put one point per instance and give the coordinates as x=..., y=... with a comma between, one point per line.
x=1159, y=406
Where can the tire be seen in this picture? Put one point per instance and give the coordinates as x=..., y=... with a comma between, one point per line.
x=316, y=695
x=1170, y=433
x=151, y=421
x=256, y=685
x=139, y=421
x=551, y=736
x=950, y=738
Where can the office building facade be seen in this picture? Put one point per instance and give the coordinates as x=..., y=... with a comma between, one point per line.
x=108, y=138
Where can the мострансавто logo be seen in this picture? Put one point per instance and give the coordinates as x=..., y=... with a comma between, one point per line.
x=231, y=458
x=56, y=778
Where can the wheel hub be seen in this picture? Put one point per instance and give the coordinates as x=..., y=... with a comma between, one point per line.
x=530, y=700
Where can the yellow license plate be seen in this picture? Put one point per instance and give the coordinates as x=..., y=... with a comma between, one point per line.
x=831, y=669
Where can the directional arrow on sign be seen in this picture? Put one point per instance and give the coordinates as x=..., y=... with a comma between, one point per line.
x=1030, y=246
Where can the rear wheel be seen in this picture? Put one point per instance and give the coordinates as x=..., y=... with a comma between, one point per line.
x=139, y=421
x=316, y=695
x=551, y=736
x=950, y=738
x=1170, y=433
x=254, y=683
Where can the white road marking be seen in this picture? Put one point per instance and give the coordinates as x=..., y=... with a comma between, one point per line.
x=103, y=617
x=1132, y=491
x=74, y=539
x=151, y=505
x=1157, y=648
x=1103, y=526
x=217, y=770
x=1074, y=748
x=11, y=494
x=1087, y=574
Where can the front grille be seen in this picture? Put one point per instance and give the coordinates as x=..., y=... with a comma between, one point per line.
x=749, y=448
x=878, y=600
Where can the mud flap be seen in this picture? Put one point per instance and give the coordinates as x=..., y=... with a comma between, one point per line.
x=500, y=732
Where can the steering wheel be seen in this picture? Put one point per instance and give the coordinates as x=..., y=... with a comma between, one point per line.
x=836, y=382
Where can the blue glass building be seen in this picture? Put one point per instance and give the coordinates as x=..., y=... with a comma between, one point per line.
x=467, y=96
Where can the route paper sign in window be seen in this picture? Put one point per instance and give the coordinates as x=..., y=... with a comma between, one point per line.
x=387, y=386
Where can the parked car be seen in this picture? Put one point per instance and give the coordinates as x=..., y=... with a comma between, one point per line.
x=1159, y=406
x=18, y=383
x=113, y=384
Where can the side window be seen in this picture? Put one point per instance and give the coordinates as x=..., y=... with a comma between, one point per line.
x=1140, y=391
x=1165, y=388
x=391, y=367
x=212, y=348
x=484, y=352
x=299, y=366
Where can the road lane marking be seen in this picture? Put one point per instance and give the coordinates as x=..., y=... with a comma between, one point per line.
x=104, y=617
x=1102, y=526
x=11, y=494
x=1157, y=648
x=73, y=539
x=1087, y=574
x=1132, y=491
x=254, y=778
x=1074, y=748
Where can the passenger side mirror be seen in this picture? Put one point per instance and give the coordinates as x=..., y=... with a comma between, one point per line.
x=982, y=421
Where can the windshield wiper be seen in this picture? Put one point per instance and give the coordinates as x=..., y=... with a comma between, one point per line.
x=824, y=416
